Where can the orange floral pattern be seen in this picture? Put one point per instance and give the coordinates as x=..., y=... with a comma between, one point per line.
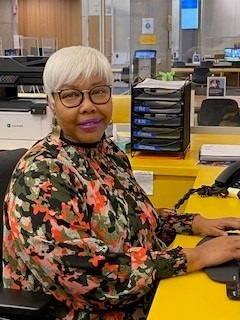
x=79, y=227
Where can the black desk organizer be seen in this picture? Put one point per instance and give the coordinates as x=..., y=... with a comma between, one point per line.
x=160, y=120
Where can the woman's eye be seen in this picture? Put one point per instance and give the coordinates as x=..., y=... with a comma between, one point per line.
x=70, y=94
x=99, y=91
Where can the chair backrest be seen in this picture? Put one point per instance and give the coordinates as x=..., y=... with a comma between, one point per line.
x=125, y=74
x=236, y=64
x=208, y=64
x=219, y=112
x=200, y=75
x=8, y=161
x=121, y=108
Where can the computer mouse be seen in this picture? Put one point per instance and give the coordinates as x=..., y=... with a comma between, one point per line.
x=225, y=272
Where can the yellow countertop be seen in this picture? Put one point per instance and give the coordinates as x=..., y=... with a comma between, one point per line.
x=173, y=177
x=187, y=166
x=214, y=69
x=195, y=296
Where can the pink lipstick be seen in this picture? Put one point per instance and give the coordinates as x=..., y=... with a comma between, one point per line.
x=90, y=124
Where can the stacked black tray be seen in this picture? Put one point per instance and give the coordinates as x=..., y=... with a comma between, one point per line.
x=160, y=119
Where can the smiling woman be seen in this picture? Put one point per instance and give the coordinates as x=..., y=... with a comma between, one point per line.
x=78, y=226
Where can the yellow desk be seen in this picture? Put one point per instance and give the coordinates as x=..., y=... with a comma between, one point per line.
x=195, y=296
x=121, y=108
x=221, y=71
x=174, y=177
x=215, y=70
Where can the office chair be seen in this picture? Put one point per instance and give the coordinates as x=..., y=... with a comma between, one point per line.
x=219, y=112
x=236, y=64
x=208, y=64
x=16, y=304
x=199, y=75
x=125, y=74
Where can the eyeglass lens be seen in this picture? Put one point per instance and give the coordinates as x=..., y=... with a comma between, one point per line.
x=73, y=97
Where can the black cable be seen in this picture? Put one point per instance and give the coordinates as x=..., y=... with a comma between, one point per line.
x=203, y=191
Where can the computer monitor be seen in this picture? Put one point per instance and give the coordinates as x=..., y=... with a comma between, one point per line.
x=19, y=70
x=232, y=54
x=10, y=52
x=196, y=58
x=236, y=54
x=145, y=54
x=189, y=14
x=144, y=64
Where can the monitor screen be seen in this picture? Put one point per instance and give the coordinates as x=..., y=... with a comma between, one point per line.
x=232, y=54
x=189, y=14
x=145, y=54
x=10, y=52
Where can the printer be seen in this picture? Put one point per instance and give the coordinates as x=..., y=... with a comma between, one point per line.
x=28, y=120
x=22, y=118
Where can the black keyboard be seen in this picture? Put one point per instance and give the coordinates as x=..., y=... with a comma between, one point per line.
x=233, y=290
x=8, y=78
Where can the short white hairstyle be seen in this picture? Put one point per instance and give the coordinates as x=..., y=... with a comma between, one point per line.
x=67, y=64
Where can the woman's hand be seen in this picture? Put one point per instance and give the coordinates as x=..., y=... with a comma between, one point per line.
x=213, y=252
x=214, y=227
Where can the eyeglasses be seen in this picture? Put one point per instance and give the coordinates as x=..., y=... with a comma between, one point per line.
x=72, y=98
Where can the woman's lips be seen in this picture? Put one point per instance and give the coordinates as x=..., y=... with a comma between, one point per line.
x=90, y=124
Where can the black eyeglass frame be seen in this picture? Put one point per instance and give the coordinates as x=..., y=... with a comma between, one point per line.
x=89, y=95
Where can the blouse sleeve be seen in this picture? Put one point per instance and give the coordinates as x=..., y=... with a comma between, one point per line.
x=56, y=241
x=179, y=222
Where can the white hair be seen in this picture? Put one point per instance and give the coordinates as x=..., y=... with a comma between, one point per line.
x=67, y=64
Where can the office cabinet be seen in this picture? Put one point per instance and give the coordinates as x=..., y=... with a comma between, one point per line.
x=160, y=119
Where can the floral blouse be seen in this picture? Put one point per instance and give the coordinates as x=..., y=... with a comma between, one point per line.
x=79, y=227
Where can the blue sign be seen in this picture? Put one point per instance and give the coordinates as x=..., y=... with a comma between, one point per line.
x=189, y=4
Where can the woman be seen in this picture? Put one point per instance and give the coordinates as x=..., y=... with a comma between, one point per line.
x=78, y=226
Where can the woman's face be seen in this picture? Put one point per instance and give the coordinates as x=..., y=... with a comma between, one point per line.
x=87, y=122
x=214, y=84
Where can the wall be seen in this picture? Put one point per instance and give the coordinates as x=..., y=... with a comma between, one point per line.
x=159, y=10
x=220, y=24
x=121, y=31
x=55, y=18
x=42, y=18
x=94, y=34
x=7, y=22
x=62, y=19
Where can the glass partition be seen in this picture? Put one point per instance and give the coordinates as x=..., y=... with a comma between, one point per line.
x=30, y=46
x=1, y=47
x=218, y=29
x=49, y=46
x=217, y=40
x=106, y=27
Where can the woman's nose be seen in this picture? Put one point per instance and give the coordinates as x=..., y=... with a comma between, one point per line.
x=87, y=105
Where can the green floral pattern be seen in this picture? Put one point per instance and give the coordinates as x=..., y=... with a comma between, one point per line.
x=80, y=228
